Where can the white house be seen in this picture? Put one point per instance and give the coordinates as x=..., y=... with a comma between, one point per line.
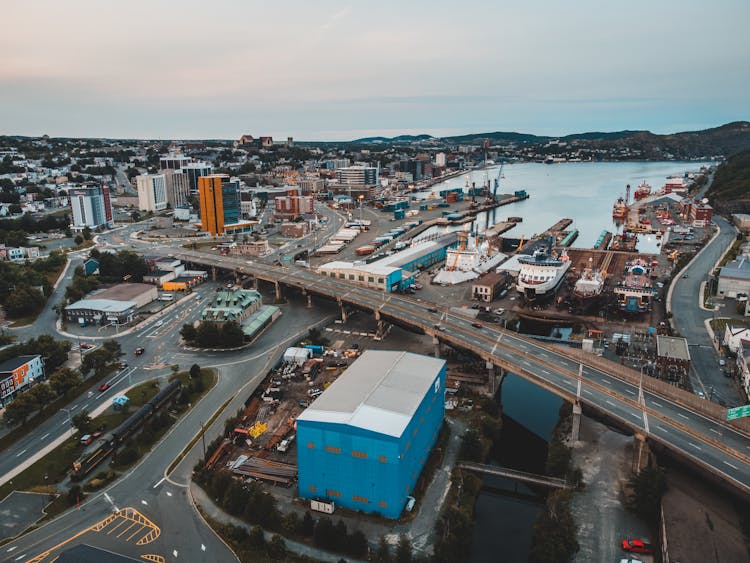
x=733, y=335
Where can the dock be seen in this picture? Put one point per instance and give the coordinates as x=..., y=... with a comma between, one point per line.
x=603, y=241
x=499, y=228
x=568, y=238
x=558, y=227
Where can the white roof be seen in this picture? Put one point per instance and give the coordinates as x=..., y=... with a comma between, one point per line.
x=373, y=268
x=379, y=392
x=103, y=305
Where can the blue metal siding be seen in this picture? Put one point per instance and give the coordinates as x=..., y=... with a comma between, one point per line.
x=363, y=470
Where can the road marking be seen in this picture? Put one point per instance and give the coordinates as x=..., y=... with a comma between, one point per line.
x=12, y=548
x=657, y=404
x=43, y=437
x=630, y=391
x=159, y=482
x=143, y=502
x=610, y=403
x=19, y=454
x=715, y=431
x=587, y=391
x=203, y=547
x=174, y=552
x=20, y=557
x=729, y=464
x=169, y=494
x=683, y=416
x=695, y=446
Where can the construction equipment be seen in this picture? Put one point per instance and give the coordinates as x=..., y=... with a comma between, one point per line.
x=497, y=182
x=520, y=245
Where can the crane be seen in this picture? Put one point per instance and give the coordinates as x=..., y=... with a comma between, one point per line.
x=497, y=181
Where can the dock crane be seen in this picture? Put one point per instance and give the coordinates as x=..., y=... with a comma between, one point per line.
x=497, y=182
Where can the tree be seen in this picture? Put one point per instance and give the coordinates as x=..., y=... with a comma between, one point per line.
x=195, y=371
x=383, y=554
x=23, y=301
x=403, y=550
x=649, y=486
x=78, y=240
x=188, y=333
x=19, y=410
x=276, y=547
x=63, y=380
x=555, y=531
x=42, y=394
x=357, y=545
x=86, y=233
x=308, y=525
x=82, y=421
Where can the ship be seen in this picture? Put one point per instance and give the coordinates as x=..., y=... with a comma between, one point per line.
x=468, y=260
x=644, y=190
x=541, y=273
x=620, y=209
x=590, y=284
x=636, y=292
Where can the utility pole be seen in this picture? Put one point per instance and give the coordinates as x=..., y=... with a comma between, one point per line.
x=203, y=439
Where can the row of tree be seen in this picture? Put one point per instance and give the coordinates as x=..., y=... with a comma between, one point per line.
x=24, y=287
x=213, y=335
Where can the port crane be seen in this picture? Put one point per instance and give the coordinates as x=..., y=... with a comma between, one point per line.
x=497, y=181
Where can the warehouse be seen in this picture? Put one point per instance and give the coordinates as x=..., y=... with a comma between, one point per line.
x=364, y=441
x=374, y=276
x=140, y=293
x=101, y=311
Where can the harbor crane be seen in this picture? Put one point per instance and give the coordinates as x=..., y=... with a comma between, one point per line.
x=497, y=182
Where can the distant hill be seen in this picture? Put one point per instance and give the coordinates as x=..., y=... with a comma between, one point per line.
x=730, y=190
x=399, y=139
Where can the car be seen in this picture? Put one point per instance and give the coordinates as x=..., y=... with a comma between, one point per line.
x=103, y=387
x=139, y=351
x=722, y=362
x=637, y=546
x=630, y=561
x=701, y=394
x=86, y=346
x=684, y=275
x=727, y=373
x=441, y=328
x=476, y=325
x=433, y=310
x=159, y=323
x=122, y=365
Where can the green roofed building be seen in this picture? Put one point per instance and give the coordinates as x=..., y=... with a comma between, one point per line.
x=243, y=306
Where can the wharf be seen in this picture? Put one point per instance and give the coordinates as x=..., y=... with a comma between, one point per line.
x=558, y=227
x=499, y=228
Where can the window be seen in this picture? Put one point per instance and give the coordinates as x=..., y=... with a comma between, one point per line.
x=332, y=493
x=416, y=430
x=357, y=498
x=380, y=280
x=382, y=459
x=342, y=276
x=351, y=277
x=333, y=450
x=370, y=279
x=361, y=278
x=361, y=455
x=311, y=445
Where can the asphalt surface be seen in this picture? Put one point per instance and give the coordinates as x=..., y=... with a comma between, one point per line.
x=688, y=318
x=705, y=441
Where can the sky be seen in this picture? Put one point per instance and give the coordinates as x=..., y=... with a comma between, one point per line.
x=327, y=70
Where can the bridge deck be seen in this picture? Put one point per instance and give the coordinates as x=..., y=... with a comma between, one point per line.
x=499, y=471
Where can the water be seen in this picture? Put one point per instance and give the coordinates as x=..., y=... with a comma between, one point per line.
x=505, y=510
x=582, y=191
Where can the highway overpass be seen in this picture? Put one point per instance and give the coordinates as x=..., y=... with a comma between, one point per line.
x=693, y=428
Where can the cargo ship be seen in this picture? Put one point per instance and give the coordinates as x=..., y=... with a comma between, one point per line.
x=541, y=273
x=620, y=209
x=635, y=294
x=644, y=190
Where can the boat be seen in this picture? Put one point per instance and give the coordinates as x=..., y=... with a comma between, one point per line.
x=644, y=190
x=620, y=209
x=589, y=286
x=468, y=260
x=541, y=273
x=636, y=292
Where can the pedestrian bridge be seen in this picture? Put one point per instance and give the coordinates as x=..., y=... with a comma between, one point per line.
x=533, y=478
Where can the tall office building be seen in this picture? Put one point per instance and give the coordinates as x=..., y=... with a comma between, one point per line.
x=196, y=170
x=92, y=207
x=220, y=202
x=358, y=175
x=152, y=192
x=178, y=187
x=174, y=161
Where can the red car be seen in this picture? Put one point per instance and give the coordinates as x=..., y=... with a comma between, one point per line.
x=86, y=346
x=139, y=351
x=103, y=387
x=476, y=325
x=637, y=546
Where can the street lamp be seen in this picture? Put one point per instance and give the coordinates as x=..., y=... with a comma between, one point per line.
x=70, y=421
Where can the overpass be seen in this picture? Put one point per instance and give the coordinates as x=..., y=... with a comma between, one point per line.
x=693, y=428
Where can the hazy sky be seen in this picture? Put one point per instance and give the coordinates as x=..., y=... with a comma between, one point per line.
x=324, y=70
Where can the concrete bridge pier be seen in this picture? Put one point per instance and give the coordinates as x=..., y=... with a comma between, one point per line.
x=490, y=376
x=641, y=453
x=436, y=346
x=309, y=300
x=277, y=288
x=255, y=284
x=343, y=310
x=213, y=273
x=575, y=428
x=380, y=325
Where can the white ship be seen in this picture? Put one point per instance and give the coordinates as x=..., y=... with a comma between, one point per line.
x=541, y=274
x=590, y=284
x=467, y=261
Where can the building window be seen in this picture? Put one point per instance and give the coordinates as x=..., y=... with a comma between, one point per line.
x=311, y=445
x=333, y=450
x=361, y=455
x=382, y=504
x=342, y=276
x=313, y=488
x=357, y=498
x=416, y=430
x=351, y=277
x=361, y=278
x=370, y=279
x=332, y=493
x=421, y=420
x=380, y=280
x=382, y=459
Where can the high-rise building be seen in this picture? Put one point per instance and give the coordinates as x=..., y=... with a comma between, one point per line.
x=219, y=202
x=291, y=207
x=152, y=192
x=441, y=159
x=178, y=187
x=358, y=175
x=196, y=170
x=174, y=161
x=92, y=207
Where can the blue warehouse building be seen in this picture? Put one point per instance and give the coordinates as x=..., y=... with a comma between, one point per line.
x=363, y=443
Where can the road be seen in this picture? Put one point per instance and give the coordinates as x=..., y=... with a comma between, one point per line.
x=689, y=320
x=677, y=419
x=165, y=501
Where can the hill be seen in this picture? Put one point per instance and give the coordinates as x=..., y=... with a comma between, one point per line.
x=399, y=139
x=730, y=190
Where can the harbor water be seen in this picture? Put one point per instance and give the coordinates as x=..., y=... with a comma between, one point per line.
x=582, y=191
x=506, y=510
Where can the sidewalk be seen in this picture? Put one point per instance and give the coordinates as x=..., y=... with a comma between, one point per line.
x=201, y=500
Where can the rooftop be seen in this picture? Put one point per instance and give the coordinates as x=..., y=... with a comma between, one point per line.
x=672, y=347
x=736, y=269
x=379, y=392
x=15, y=363
x=123, y=292
x=103, y=305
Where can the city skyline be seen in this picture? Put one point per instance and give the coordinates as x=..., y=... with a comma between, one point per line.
x=340, y=71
